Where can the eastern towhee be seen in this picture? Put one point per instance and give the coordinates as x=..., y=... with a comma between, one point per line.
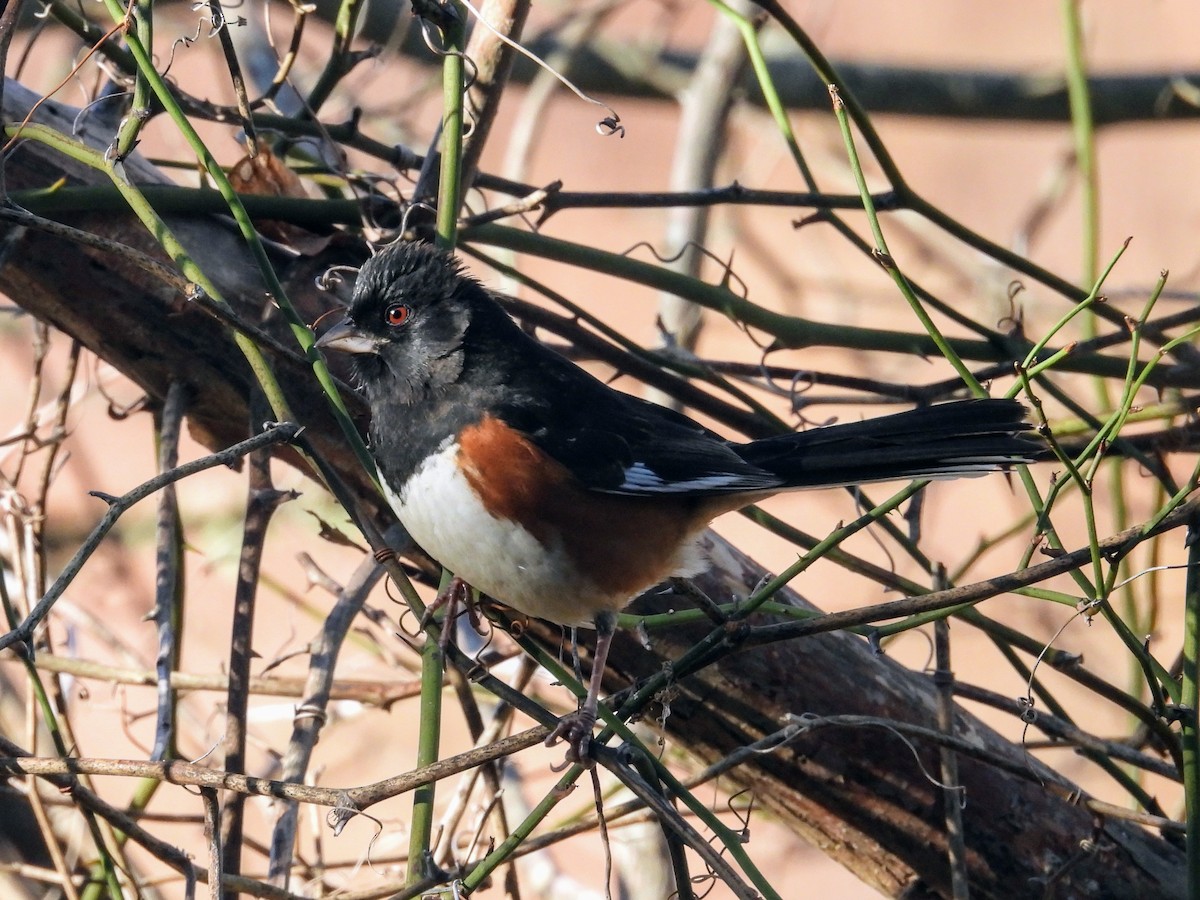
x=563, y=498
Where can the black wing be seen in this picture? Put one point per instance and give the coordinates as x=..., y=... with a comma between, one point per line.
x=619, y=444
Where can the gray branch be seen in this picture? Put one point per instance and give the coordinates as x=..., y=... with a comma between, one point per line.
x=613, y=69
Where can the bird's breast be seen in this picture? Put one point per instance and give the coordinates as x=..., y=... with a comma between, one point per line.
x=514, y=524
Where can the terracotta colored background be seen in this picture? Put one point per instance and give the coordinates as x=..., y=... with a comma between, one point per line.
x=991, y=176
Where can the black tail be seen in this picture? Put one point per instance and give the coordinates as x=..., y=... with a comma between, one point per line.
x=966, y=437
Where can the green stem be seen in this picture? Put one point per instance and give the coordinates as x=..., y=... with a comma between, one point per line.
x=104, y=870
x=1084, y=131
x=505, y=849
x=1188, y=699
x=450, y=174
x=733, y=841
x=834, y=539
x=139, y=112
x=789, y=332
x=748, y=29
x=421, y=828
x=1039, y=348
x=341, y=59
x=304, y=337
x=420, y=836
x=166, y=238
x=884, y=256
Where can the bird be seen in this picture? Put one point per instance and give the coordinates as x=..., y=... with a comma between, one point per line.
x=564, y=498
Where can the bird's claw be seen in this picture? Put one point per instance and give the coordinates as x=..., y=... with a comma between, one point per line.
x=576, y=729
x=455, y=597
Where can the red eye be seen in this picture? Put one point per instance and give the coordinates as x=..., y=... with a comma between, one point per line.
x=397, y=314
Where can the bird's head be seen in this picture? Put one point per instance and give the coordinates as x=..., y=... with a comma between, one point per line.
x=407, y=322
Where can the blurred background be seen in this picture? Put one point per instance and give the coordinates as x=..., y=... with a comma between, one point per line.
x=1013, y=178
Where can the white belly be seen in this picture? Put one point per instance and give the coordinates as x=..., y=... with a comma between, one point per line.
x=446, y=518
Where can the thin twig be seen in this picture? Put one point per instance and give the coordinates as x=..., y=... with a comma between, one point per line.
x=346, y=802
x=493, y=60
x=703, y=116
x=212, y=831
x=275, y=434
x=262, y=501
x=964, y=595
x=168, y=589
x=369, y=693
x=952, y=798
x=311, y=713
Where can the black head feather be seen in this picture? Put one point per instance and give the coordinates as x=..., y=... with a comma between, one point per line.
x=411, y=309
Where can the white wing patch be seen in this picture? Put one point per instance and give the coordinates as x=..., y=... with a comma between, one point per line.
x=640, y=478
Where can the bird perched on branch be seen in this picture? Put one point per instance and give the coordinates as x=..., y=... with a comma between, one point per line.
x=563, y=498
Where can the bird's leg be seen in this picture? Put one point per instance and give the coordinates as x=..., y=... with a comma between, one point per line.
x=576, y=728
x=456, y=595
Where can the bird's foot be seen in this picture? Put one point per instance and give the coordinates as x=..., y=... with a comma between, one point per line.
x=455, y=597
x=576, y=729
